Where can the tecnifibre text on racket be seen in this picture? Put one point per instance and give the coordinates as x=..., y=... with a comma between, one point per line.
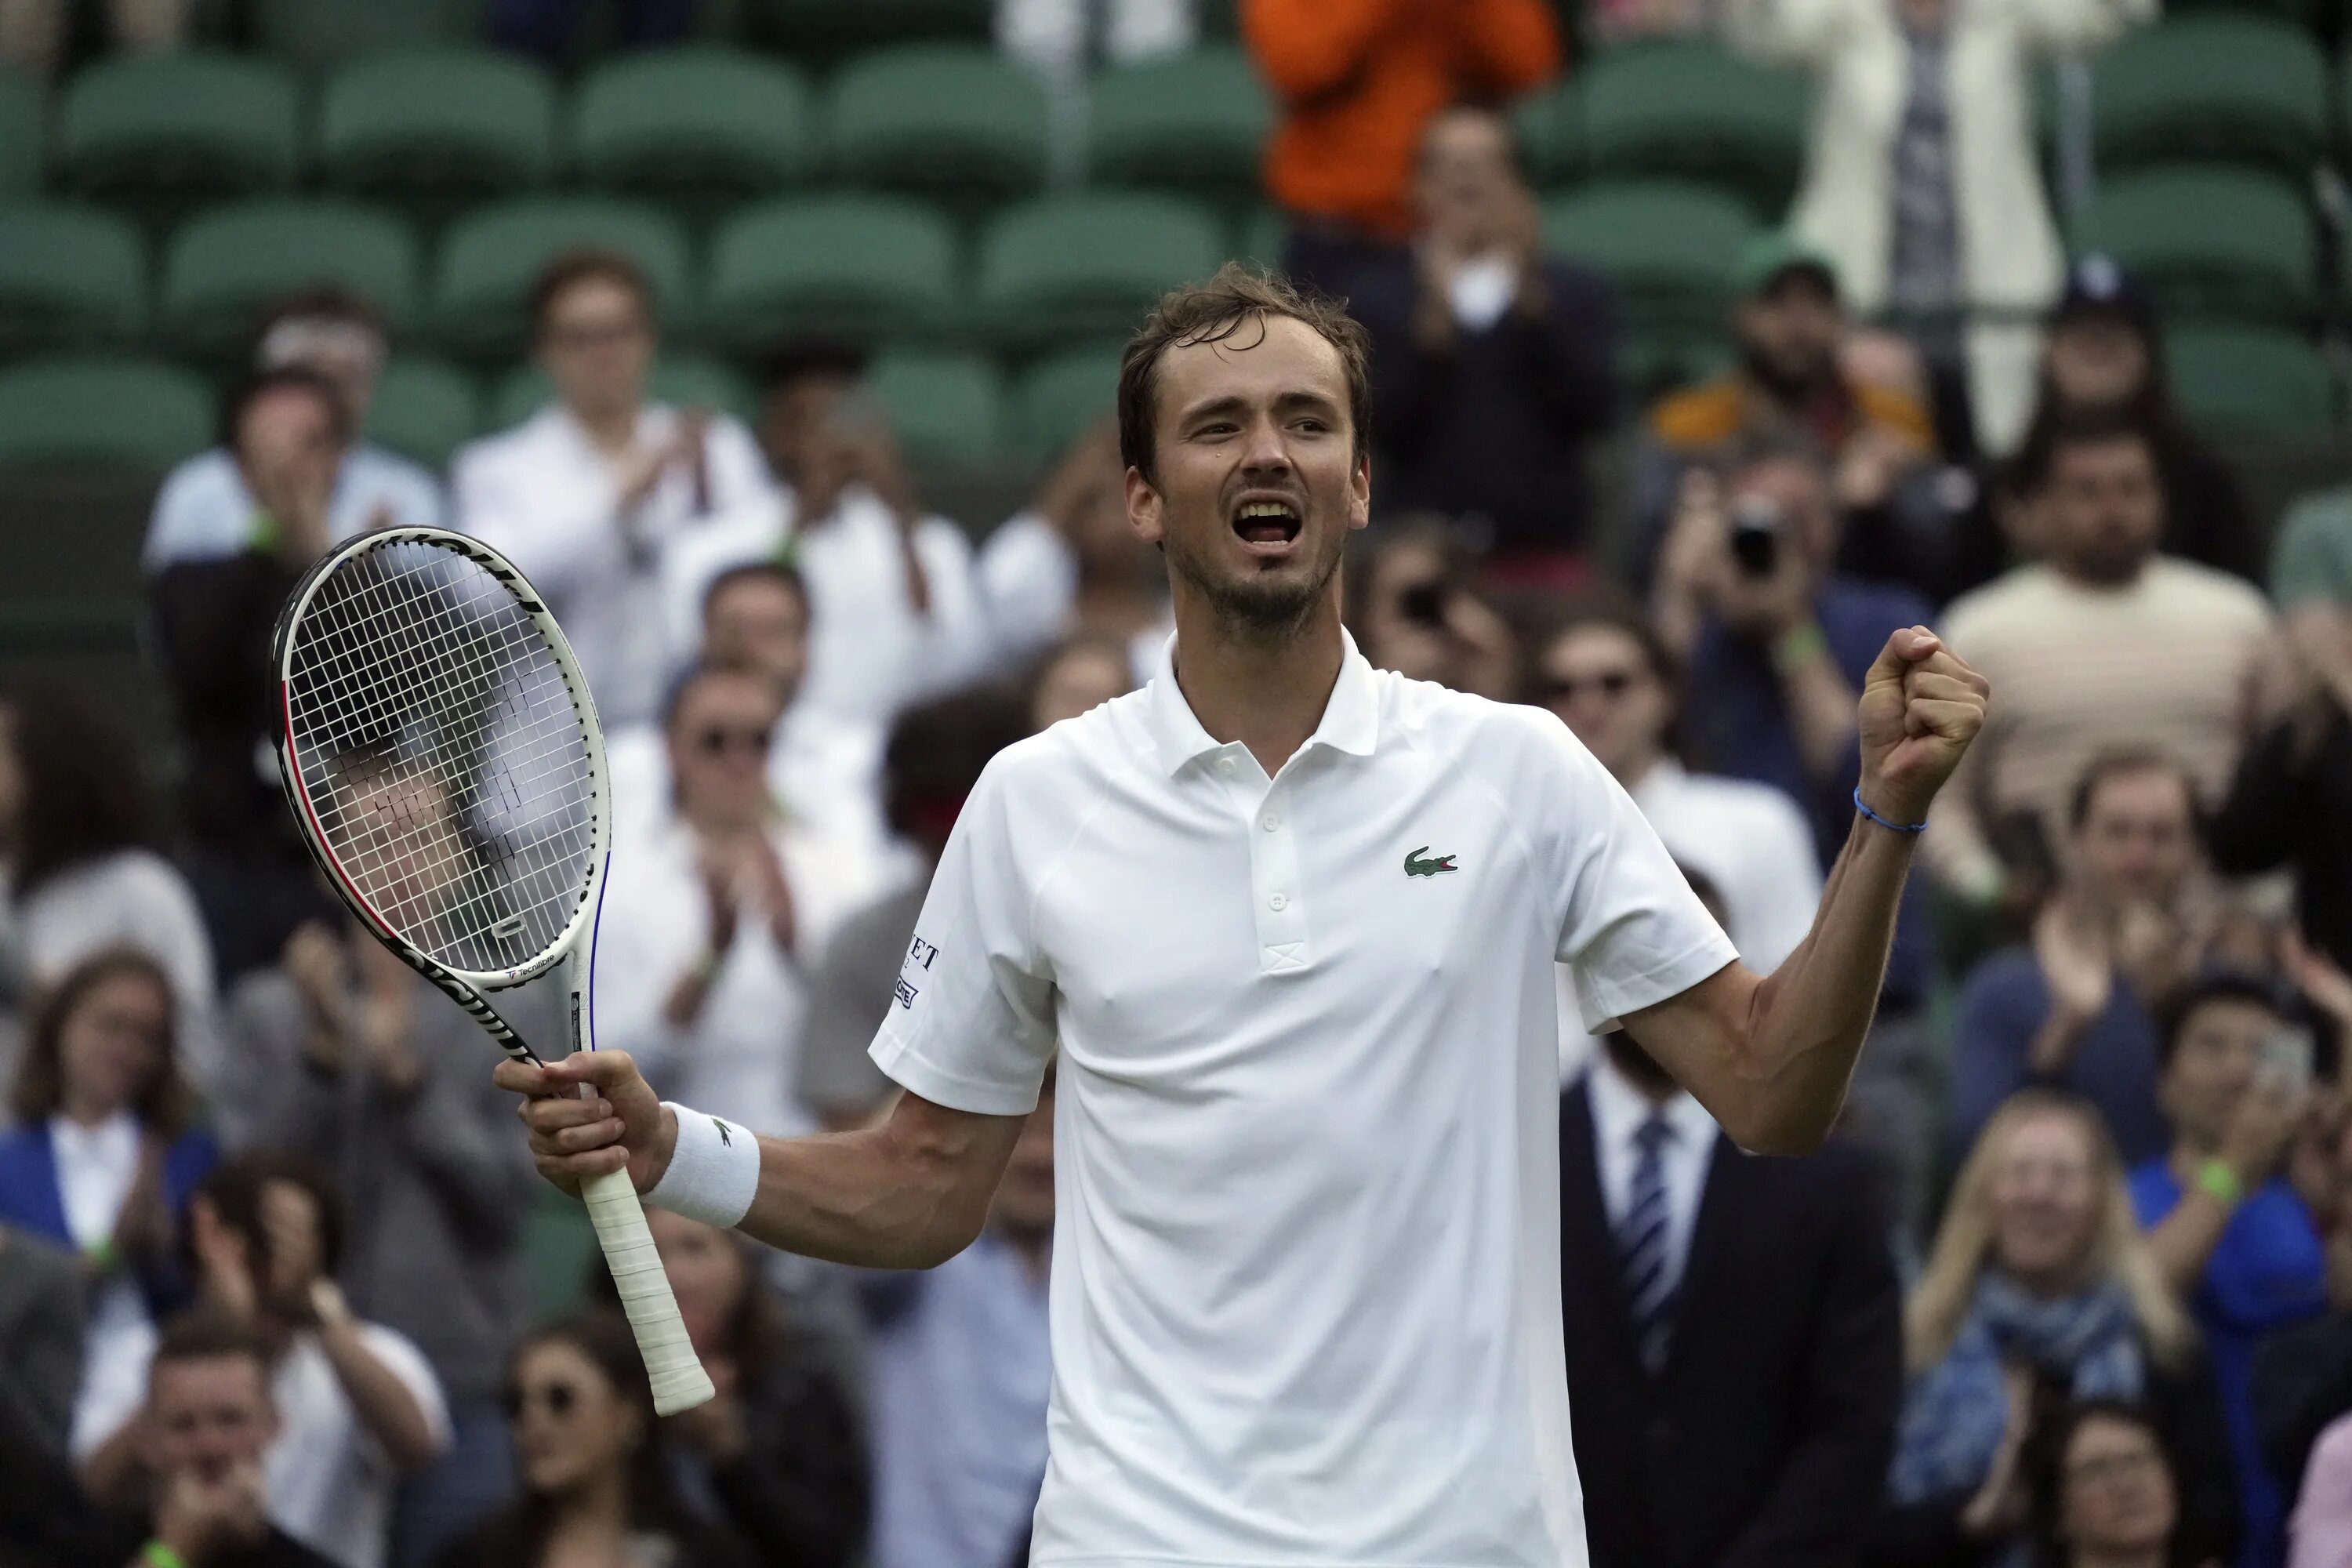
x=441, y=753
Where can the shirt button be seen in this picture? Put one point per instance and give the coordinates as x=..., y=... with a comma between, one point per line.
x=1278, y=903
x=1225, y=766
x=1274, y=824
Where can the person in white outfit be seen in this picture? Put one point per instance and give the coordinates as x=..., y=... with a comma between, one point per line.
x=586, y=494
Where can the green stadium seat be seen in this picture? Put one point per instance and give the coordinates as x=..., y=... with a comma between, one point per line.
x=226, y=264
x=1695, y=111
x=176, y=126
x=437, y=122
x=2301, y=14
x=75, y=411
x=2255, y=382
x=828, y=29
x=1666, y=248
x=490, y=259
x=425, y=409
x=947, y=409
x=323, y=33
x=726, y=119
x=2210, y=243
x=1064, y=267
x=2227, y=88
x=1265, y=239
x=1549, y=125
x=684, y=381
x=22, y=114
x=1196, y=124
x=873, y=268
x=1060, y=397
x=70, y=276
x=958, y=122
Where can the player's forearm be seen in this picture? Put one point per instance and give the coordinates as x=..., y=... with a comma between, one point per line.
x=885, y=1197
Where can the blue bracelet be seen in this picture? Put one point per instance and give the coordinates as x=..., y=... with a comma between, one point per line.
x=1897, y=826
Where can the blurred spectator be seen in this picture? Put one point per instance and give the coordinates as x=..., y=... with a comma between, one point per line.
x=213, y=617
x=209, y=1425
x=77, y=875
x=344, y=1057
x=596, y=1484
x=1355, y=83
x=1078, y=675
x=778, y=1455
x=2320, y=1534
x=357, y=1403
x=2303, y=1372
x=1411, y=609
x=1492, y=365
x=2291, y=801
x=2075, y=1009
x=1734, y=1332
x=2101, y=643
x=2229, y=1217
x=935, y=757
x=1072, y=563
x=1072, y=35
x=2101, y=1491
x=895, y=608
x=961, y=1375
x=35, y=34
x=211, y=505
x=584, y=494
x=551, y=29
x=2040, y=1279
x=1794, y=385
x=41, y=1295
x=1923, y=181
x=822, y=769
x=2311, y=566
x=708, y=921
x=103, y=1160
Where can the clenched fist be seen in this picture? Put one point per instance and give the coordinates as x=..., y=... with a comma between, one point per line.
x=1921, y=705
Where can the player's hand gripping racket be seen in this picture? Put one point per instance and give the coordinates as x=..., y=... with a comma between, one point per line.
x=441, y=753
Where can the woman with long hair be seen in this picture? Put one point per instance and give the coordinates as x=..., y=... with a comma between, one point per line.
x=2039, y=1289
x=597, y=1488
x=2101, y=1490
x=103, y=1159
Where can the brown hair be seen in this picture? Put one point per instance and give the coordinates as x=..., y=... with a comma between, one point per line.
x=2126, y=762
x=586, y=264
x=1211, y=312
x=162, y=1104
x=207, y=1334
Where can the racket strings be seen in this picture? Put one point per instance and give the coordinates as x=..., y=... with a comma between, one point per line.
x=442, y=755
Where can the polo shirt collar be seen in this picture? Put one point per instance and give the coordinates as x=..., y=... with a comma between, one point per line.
x=1351, y=718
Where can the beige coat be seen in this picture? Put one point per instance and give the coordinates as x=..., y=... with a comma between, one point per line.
x=2011, y=259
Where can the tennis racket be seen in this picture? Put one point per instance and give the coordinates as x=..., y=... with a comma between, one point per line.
x=441, y=753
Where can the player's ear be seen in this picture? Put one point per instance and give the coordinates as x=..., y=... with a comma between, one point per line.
x=1359, y=492
x=1143, y=508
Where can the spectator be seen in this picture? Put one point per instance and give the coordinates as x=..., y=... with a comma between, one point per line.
x=1734, y=1332
x=895, y=610
x=584, y=494
x=1355, y=83
x=2075, y=1009
x=2104, y=642
x=206, y=1434
x=346, y=1058
x=1078, y=675
x=213, y=616
x=595, y=1473
x=2101, y=1489
x=2039, y=1276
x=961, y=1375
x=2288, y=803
x=551, y=29
x=778, y=1455
x=705, y=924
x=2229, y=1227
x=210, y=507
x=35, y=34
x=1072, y=563
x=103, y=1160
x=357, y=1403
x=936, y=754
x=77, y=875
x=1493, y=369
x=1063, y=37
x=2311, y=567
x=2321, y=1530
x=2303, y=1372
x=1411, y=607
x=41, y=1295
x=1793, y=384
x=1922, y=179
x=821, y=769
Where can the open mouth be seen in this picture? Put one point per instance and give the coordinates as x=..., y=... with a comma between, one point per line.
x=1268, y=527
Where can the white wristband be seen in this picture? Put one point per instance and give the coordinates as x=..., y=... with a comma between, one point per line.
x=714, y=1170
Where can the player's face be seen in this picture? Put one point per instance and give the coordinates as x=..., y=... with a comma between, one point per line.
x=2045, y=1200
x=113, y=1043
x=760, y=622
x=571, y=1426
x=2137, y=842
x=207, y=1415
x=1258, y=484
x=1599, y=681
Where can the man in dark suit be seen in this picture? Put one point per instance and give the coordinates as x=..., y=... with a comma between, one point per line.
x=1734, y=1356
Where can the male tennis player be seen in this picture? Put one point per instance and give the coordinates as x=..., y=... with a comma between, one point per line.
x=1292, y=924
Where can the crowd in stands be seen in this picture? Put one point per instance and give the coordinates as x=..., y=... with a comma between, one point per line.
x=2072, y=1284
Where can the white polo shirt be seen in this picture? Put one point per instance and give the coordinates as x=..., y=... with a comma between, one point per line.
x=1306, y=1298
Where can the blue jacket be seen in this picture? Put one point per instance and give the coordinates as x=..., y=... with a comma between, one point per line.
x=31, y=1199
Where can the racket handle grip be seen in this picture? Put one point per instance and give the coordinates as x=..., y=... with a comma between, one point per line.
x=680, y=1383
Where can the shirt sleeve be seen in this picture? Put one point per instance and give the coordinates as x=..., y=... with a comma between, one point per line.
x=970, y=1020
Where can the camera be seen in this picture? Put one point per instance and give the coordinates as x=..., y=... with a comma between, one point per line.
x=1755, y=535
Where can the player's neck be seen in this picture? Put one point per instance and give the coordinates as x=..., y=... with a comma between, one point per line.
x=1269, y=696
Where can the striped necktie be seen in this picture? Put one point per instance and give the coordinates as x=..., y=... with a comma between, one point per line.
x=1642, y=1246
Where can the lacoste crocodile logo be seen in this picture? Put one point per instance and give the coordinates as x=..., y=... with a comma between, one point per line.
x=1414, y=866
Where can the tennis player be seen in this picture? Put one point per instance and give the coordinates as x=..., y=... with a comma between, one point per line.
x=1292, y=922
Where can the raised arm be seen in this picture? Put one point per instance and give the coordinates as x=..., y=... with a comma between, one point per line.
x=1770, y=1056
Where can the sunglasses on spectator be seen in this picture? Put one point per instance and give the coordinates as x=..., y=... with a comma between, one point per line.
x=558, y=1398
x=718, y=740
x=1611, y=683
